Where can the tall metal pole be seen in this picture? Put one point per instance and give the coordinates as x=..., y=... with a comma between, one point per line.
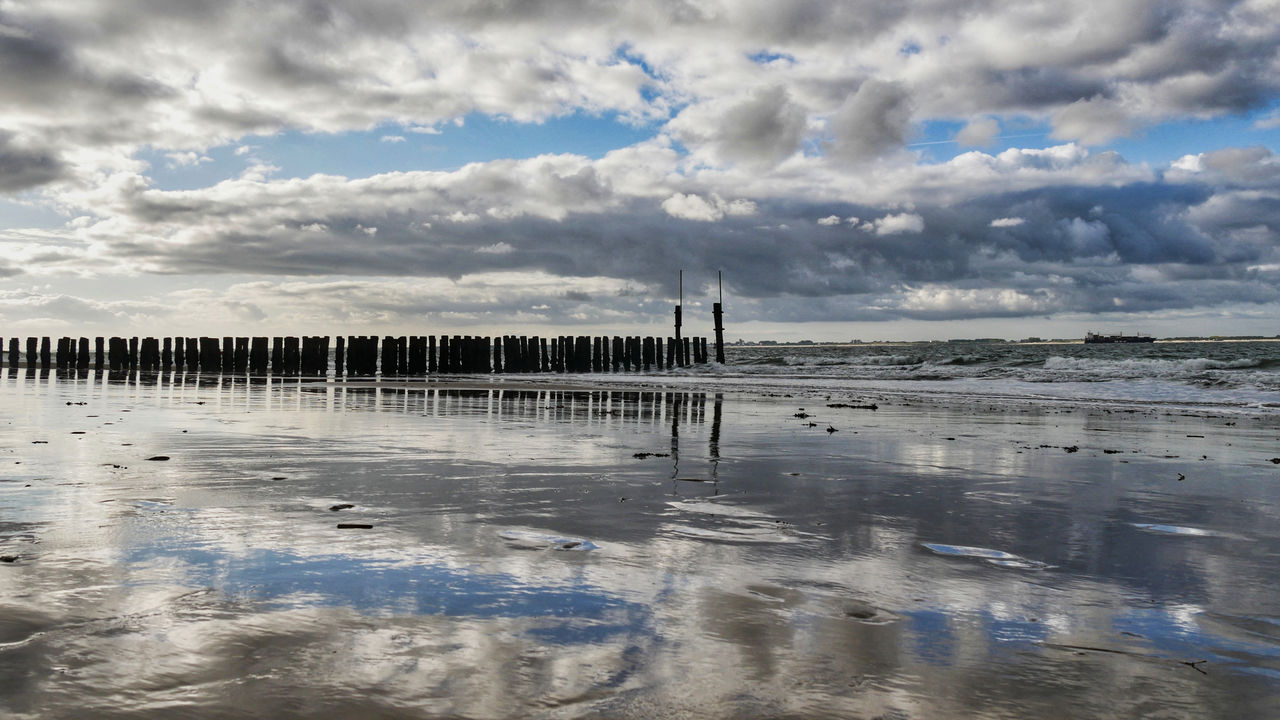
x=679, y=352
x=717, y=312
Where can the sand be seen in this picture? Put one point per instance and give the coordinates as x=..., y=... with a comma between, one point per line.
x=515, y=550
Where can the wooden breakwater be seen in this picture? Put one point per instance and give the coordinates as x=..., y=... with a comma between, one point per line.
x=360, y=356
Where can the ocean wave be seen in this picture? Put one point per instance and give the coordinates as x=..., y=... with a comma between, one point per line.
x=1233, y=375
x=1146, y=367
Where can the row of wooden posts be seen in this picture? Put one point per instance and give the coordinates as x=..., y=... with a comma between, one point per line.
x=362, y=356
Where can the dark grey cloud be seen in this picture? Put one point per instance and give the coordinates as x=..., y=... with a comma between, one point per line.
x=23, y=168
x=1055, y=248
x=871, y=122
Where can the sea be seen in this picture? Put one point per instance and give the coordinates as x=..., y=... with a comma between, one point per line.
x=1212, y=376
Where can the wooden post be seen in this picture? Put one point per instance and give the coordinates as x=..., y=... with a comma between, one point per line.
x=128, y=354
x=356, y=350
x=658, y=357
x=648, y=353
x=292, y=356
x=193, y=354
x=717, y=312
x=635, y=353
x=208, y=353
x=417, y=355
x=546, y=359
x=31, y=357
x=277, y=356
x=596, y=358
x=60, y=354
x=306, y=355
x=432, y=367
x=166, y=354
x=13, y=352
x=322, y=355
x=149, y=351
x=179, y=353
x=241, y=357
x=686, y=352
x=44, y=353
x=339, y=356
x=258, y=356
x=228, y=354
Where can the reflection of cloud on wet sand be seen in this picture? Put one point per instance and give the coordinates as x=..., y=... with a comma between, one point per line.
x=506, y=574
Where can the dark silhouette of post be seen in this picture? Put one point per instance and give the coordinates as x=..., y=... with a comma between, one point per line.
x=678, y=318
x=717, y=312
x=258, y=355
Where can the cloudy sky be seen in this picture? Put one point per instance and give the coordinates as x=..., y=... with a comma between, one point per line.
x=878, y=169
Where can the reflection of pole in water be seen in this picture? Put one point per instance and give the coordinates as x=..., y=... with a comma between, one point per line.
x=675, y=435
x=715, y=438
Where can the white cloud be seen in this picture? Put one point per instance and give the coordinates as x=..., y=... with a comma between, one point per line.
x=899, y=223
x=187, y=159
x=829, y=220
x=693, y=207
x=943, y=301
x=392, y=139
x=1007, y=222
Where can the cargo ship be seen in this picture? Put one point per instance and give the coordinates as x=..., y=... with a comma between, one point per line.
x=1091, y=338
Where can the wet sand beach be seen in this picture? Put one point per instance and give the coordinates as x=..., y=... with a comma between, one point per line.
x=202, y=547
